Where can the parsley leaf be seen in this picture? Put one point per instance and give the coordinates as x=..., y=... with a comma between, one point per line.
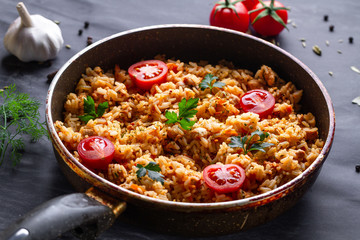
x=19, y=115
x=260, y=146
x=152, y=169
x=89, y=106
x=186, y=124
x=171, y=116
x=101, y=108
x=89, y=109
x=238, y=142
x=186, y=111
x=208, y=82
x=86, y=118
x=141, y=172
x=186, y=108
x=247, y=146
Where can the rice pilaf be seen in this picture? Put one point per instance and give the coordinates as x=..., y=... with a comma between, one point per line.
x=136, y=124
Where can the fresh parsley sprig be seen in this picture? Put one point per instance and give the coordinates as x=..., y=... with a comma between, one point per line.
x=186, y=111
x=19, y=115
x=210, y=81
x=248, y=146
x=152, y=169
x=89, y=109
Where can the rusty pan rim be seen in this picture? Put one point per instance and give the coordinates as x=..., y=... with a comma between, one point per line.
x=257, y=200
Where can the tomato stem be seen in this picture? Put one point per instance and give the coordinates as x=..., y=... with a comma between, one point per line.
x=227, y=4
x=269, y=11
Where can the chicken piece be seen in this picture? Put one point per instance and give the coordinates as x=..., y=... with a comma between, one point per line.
x=267, y=74
x=255, y=84
x=311, y=134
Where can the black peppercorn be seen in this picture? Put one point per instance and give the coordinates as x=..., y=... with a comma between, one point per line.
x=86, y=24
x=326, y=18
x=80, y=32
x=89, y=41
x=351, y=39
x=331, y=28
x=357, y=168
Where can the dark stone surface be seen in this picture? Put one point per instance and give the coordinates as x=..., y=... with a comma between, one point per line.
x=330, y=210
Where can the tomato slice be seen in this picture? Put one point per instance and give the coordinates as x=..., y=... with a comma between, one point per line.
x=147, y=73
x=224, y=178
x=258, y=101
x=96, y=152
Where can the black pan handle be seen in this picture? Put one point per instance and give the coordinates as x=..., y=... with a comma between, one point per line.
x=78, y=212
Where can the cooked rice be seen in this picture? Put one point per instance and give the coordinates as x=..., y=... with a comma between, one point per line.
x=135, y=123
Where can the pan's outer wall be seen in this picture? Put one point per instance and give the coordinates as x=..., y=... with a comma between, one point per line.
x=197, y=223
x=194, y=44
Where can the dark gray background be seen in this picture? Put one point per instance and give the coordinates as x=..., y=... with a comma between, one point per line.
x=330, y=210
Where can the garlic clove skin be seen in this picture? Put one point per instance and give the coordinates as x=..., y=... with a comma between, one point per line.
x=34, y=39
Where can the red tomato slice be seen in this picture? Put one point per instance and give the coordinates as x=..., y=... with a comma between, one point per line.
x=96, y=152
x=147, y=73
x=258, y=101
x=224, y=178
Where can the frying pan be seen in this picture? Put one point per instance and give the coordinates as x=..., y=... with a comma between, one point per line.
x=99, y=202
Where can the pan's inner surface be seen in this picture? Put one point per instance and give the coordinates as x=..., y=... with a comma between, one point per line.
x=195, y=43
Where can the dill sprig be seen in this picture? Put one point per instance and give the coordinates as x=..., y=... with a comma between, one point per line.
x=19, y=115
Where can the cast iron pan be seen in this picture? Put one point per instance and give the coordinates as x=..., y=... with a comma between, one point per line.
x=88, y=214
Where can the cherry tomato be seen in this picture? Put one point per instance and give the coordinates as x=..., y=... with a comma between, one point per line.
x=267, y=25
x=258, y=101
x=250, y=4
x=224, y=178
x=232, y=15
x=96, y=152
x=147, y=73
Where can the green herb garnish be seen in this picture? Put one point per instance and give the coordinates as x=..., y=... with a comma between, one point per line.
x=19, y=115
x=152, y=169
x=89, y=109
x=248, y=146
x=269, y=11
x=209, y=81
x=186, y=111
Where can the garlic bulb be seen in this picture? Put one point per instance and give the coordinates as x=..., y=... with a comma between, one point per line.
x=33, y=37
